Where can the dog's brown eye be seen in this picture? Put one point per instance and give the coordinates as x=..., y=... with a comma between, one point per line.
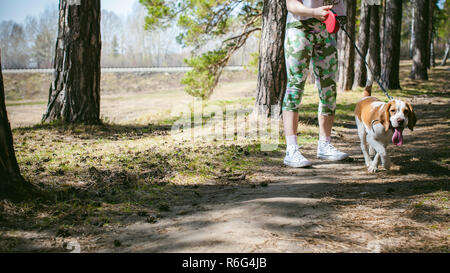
x=406, y=112
x=392, y=110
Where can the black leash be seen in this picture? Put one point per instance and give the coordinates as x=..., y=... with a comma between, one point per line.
x=364, y=60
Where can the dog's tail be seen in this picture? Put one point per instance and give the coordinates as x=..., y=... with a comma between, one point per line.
x=367, y=91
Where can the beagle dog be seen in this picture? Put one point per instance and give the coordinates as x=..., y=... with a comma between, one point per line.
x=379, y=123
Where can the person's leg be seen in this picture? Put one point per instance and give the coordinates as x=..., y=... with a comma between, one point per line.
x=325, y=126
x=290, y=120
x=325, y=68
x=298, y=55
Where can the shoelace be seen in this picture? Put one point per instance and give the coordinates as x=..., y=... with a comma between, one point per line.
x=331, y=149
x=297, y=156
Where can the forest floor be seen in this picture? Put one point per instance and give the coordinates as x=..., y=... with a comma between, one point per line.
x=133, y=184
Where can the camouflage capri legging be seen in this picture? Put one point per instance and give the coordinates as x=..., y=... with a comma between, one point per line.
x=310, y=40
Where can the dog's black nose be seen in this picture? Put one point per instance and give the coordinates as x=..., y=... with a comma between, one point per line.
x=400, y=121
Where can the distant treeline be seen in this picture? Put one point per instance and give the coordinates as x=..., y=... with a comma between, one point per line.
x=125, y=42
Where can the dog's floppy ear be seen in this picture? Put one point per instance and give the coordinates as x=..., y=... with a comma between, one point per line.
x=411, y=117
x=385, y=118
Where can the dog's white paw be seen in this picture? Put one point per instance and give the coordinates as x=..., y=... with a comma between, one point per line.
x=372, y=169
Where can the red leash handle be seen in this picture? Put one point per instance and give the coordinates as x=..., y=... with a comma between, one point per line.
x=331, y=22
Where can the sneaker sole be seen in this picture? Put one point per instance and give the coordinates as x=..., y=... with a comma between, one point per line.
x=309, y=164
x=332, y=158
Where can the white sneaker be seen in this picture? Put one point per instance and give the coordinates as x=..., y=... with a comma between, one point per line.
x=327, y=151
x=294, y=158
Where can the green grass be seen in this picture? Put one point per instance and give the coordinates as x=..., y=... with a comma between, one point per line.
x=26, y=103
x=126, y=169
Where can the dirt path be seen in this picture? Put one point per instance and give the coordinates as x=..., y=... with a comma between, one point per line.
x=331, y=207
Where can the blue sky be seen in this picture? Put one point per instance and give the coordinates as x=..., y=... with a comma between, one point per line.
x=18, y=10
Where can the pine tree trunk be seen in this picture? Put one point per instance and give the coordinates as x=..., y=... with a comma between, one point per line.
x=432, y=52
x=346, y=50
x=74, y=96
x=272, y=78
x=382, y=27
x=413, y=30
x=430, y=31
x=12, y=184
x=360, y=77
x=391, y=46
x=420, y=46
x=374, y=47
x=447, y=51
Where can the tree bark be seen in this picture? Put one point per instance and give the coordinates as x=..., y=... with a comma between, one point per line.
x=447, y=50
x=413, y=30
x=391, y=46
x=12, y=184
x=374, y=47
x=346, y=50
x=382, y=26
x=432, y=51
x=74, y=96
x=431, y=4
x=420, y=46
x=272, y=78
x=360, y=77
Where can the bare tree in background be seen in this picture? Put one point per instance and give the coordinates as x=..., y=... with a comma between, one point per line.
x=412, y=30
x=14, y=45
x=447, y=50
x=430, y=59
x=360, y=77
x=126, y=42
x=374, y=47
x=74, y=96
x=41, y=33
x=346, y=50
x=420, y=44
x=391, y=45
x=112, y=27
x=446, y=35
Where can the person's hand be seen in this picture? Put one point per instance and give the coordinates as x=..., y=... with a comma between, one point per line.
x=320, y=13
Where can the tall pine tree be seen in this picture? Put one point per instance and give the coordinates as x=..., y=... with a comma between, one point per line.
x=74, y=95
x=420, y=45
x=391, y=46
x=360, y=77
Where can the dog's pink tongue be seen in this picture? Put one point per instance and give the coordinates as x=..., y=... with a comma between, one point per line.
x=397, y=138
